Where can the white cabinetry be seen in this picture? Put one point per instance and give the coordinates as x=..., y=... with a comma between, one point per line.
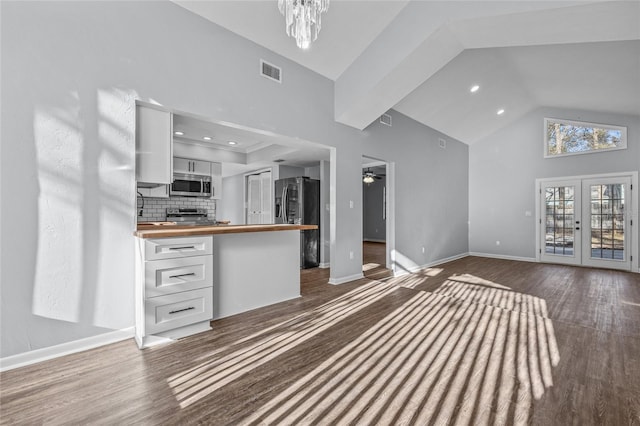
x=154, y=146
x=160, y=191
x=193, y=167
x=216, y=180
x=174, y=288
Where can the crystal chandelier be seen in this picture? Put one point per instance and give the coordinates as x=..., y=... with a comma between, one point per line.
x=303, y=19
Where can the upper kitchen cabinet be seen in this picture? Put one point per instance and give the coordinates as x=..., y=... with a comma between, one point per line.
x=192, y=167
x=154, y=146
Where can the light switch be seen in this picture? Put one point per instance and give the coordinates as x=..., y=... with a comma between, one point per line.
x=350, y=204
x=527, y=213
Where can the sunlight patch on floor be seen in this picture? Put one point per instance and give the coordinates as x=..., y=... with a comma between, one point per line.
x=435, y=359
x=415, y=279
x=369, y=266
x=227, y=364
x=472, y=279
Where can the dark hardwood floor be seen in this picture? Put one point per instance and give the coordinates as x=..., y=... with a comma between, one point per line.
x=473, y=341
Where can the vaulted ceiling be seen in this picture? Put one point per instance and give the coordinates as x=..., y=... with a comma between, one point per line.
x=422, y=57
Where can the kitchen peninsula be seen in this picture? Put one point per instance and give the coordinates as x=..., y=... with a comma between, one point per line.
x=188, y=275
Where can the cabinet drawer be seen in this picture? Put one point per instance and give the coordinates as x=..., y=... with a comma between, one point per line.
x=174, y=275
x=168, y=248
x=164, y=313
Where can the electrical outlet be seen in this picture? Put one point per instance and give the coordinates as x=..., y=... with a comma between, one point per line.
x=422, y=249
x=350, y=255
x=350, y=204
x=497, y=243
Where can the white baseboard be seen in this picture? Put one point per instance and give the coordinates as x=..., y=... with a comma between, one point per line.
x=39, y=355
x=429, y=265
x=324, y=265
x=346, y=279
x=503, y=256
x=372, y=240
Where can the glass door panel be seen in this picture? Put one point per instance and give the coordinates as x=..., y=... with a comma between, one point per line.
x=561, y=213
x=607, y=245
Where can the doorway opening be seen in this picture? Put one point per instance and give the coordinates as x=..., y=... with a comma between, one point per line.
x=377, y=226
x=587, y=220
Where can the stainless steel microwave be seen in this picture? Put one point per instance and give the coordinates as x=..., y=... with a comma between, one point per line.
x=187, y=185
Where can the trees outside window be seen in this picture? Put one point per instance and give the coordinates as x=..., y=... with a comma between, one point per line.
x=565, y=137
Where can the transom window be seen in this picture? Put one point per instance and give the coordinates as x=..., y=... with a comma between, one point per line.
x=565, y=137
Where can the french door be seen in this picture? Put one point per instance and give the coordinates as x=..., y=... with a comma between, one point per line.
x=586, y=222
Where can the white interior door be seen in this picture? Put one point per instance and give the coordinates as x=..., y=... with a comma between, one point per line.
x=560, y=220
x=586, y=222
x=259, y=198
x=607, y=222
x=266, y=196
x=253, y=200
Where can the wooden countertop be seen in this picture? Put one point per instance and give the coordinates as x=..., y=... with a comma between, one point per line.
x=164, y=231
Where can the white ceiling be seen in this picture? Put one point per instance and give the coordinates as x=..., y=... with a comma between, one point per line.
x=258, y=149
x=339, y=43
x=587, y=76
x=421, y=57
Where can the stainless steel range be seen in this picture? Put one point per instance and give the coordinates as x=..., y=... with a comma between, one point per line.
x=189, y=216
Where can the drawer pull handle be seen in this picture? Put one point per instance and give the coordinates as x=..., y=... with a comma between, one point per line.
x=182, y=248
x=182, y=275
x=182, y=310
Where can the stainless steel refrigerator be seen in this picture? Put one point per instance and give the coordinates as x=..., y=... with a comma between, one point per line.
x=297, y=200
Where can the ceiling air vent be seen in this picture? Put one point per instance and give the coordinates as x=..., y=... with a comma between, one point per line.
x=279, y=160
x=270, y=71
x=443, y=143
x=385, y=119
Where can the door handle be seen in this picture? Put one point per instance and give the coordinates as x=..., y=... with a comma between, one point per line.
x=283, y=210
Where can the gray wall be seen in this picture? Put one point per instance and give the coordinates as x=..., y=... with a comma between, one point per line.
x=324, y=169
x=504, y=166
x=290, y=171
x=431, y=189
x=312, y=172
x=374, y=225
x=231, y=206
x=71, y=72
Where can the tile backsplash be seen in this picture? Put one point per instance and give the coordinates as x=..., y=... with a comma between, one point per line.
x=155, y=209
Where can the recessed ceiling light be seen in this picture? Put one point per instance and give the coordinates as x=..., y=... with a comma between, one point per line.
x=232, y=143
x=474, y=88
x=206, y=138
x=500, y=112
x=178, y=133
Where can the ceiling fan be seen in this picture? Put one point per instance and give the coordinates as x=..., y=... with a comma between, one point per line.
x=368, y=176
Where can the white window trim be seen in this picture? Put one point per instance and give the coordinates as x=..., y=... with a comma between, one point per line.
x=622, y=129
